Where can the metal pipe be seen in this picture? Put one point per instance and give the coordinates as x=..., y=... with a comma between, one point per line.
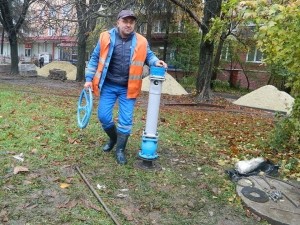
x=150, y=135
x=97, y=196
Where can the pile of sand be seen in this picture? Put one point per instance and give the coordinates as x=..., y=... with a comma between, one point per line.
x=70, y=69
x=267, y=97
x=169, y=86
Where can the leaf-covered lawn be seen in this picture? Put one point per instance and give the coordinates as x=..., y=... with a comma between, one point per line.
x=40, y=144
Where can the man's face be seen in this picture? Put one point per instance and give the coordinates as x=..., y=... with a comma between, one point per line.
x=126, y=26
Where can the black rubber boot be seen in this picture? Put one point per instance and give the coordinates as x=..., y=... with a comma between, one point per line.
x=120, y=149
x=112, y=134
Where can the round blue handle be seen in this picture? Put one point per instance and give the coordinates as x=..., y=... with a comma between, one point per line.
x=84, y=109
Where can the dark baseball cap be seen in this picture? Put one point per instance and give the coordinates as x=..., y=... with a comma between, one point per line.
x=126, y=13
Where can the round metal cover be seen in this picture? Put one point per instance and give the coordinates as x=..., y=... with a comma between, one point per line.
x=255, y=194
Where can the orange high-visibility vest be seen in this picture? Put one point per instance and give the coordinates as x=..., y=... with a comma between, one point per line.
x=135, y=68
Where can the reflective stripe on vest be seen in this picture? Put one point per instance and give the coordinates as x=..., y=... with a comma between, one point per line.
x=104, y=47
x=135, y=69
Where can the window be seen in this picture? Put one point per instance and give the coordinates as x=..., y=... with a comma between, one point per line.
x=254, y=55
x=171, y=55
x=142, y=28
x=66, y=10
x=52, y=12
x=180, y=26
x=65, y=31
x=159, y=26
x=51, y=31
x=42, y=13
x=225, y=54
x=27, y=52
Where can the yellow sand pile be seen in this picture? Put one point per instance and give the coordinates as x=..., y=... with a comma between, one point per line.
x=70, y=69
x=267, y=97
x=169, y=86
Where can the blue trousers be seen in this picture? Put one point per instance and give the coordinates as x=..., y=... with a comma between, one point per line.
x=109, y=95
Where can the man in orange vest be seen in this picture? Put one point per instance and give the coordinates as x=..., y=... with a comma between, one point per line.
x=115, y=73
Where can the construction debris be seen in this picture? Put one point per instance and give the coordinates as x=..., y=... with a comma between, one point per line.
x=57, y=74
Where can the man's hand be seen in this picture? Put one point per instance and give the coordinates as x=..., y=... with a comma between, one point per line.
x=161, y=63
x=87, y=85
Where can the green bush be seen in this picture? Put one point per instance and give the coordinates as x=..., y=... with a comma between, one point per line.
x=188, y=82
x=279, y=139
x=224, y=86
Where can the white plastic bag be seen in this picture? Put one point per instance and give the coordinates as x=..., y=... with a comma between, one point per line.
x=246, y=166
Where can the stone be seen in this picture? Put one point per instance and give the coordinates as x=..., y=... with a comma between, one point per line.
x=57, y=74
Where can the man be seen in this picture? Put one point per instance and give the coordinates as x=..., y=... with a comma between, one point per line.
x=41, y=61
x=115, y=70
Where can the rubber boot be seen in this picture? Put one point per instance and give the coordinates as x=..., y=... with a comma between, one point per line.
x=112, y=134
x=120, y=148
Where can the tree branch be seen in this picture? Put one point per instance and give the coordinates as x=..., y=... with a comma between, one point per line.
x=190, y=12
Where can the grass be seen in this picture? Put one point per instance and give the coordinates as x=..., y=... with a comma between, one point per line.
x=191, y=187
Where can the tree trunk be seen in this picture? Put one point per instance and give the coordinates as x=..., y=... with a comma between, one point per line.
x=205, y=69
x=13, y=41
x=86, y=24
x=83, y=31
x=81, y=58
x=149, y=21
x=2, y=41
x=218, y=56
x=166, y=38
x=212, y=9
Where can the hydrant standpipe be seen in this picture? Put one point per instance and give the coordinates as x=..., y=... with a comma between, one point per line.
x=148, y=151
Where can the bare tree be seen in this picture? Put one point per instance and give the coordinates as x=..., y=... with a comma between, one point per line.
x=86, y=24
x=12, y=16
x=212, y=9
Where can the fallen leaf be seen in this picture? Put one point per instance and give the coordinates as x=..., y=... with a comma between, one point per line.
x=71, y=204
x=4, y=216
x=34, y=151
x=127, y=213
x=64, y=185
x=222, y=162
x=90, y=205
x=27, y=182
x=73, y=141
x=19, y=169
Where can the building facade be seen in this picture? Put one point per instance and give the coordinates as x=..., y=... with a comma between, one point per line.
x=51, y=33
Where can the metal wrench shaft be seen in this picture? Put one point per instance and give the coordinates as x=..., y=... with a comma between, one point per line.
x=266, y=180
x=291, y=200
